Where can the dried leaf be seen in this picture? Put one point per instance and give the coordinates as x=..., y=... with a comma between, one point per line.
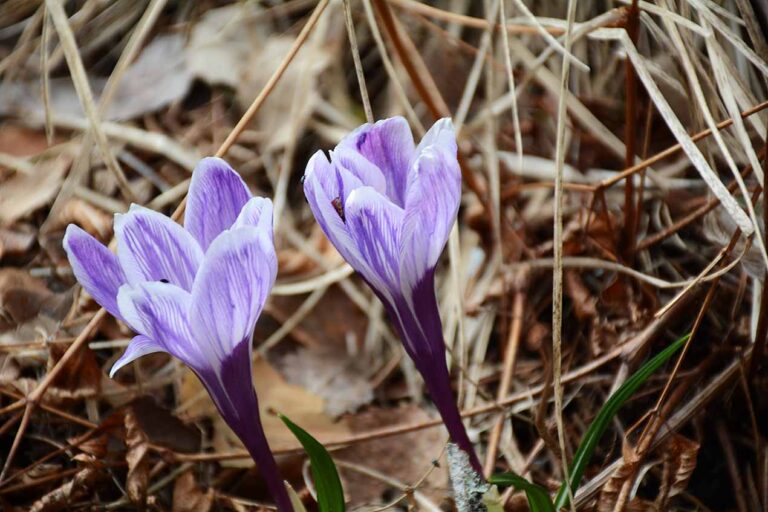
x=295, y=98
x=163, y=428
x=223, y=41
x=159, y=76
x=680, y=454
x=21, y=297
x=188, y=497
x=70, y=492
x=136, y=457
x=15, y=243
x=334, y=376
x=407, y=457
x=82, y=374
x=22, y=194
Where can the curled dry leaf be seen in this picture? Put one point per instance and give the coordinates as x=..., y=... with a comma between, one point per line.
x=15, y=243
x=188, y=497
x=81, y=376
x=223, y=41
x=62, y=498
x=22, y=194
x=406, y=458
x=335, y=376
x=95, y=221
x=680, y=454
x=719, y=227
x=158, y=77
x=21, y=297
x=136, y=456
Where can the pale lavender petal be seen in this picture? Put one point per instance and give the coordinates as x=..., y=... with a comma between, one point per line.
x=139, y=346
x=95, y=267
x=434, y=192
x=160, y=311
x=216, y=196
x=256, y=213
x=360, y=167
x=388, y=144
x=441, y=135
x=374, y=225
x=231, y=288
x=151, y=247
x=321, y=190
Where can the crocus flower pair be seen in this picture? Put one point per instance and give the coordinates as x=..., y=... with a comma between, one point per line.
x=196, y=292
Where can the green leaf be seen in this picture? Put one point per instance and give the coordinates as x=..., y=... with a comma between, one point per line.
x=538, y=497
x=330, y=495
x=603, y=419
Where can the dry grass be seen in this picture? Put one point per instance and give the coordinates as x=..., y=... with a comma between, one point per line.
x=627, y=180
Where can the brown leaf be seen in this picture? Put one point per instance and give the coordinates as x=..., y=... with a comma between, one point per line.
x=22, y=194
x=70, y=492
x=15, y=243
x=680, y=454
x=21, y=297
x=136, y=457
x=188, y=497
x=584, y=303
x=82, y=374
x=163, y=428
x=332, y=375
x=93, y=220
x=407, y=457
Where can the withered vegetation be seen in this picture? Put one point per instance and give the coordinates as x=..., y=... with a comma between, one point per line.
x=650, y=156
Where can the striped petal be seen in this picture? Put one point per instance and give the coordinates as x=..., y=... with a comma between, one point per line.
x=387, y=144
x=217, y=194
x=95, y=267
x=257, y=213
x=139, y=346
x=230, y=291
x=324, y=190
x=374, y=226
x=434, y=192
x=151, y=247
x=160, y=311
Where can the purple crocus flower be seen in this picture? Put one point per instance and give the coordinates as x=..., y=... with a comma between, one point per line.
x=388, y=206
x=194, y=292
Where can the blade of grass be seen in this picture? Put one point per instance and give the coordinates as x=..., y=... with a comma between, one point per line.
x=603, y=419
x=330, y=495
x=538, y=497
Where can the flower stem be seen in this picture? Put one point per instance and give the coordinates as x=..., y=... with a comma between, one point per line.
x=438, y=384
x=256, y=443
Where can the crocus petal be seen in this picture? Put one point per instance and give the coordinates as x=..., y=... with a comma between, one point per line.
x=231, y=288
x=95, y=267
x=320, y=189
x=374, y=225
x=139, y=346
x=151, y=247
x=388, y=144
x=441, y=135
x=434, y=192
x=362, y=169
x=257, y=213
x=216, y=196
x=160, y=311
